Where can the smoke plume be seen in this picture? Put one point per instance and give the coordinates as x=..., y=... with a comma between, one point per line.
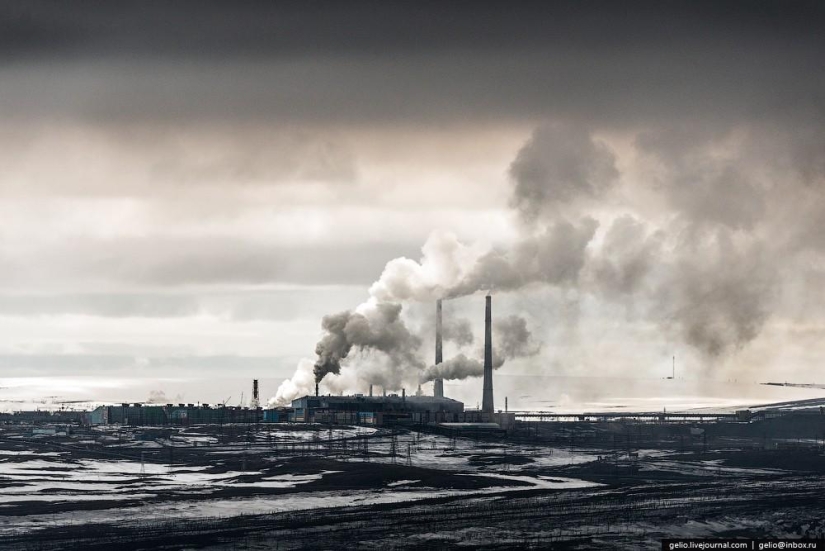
x=457, y=330
x=511, y=340
x=699, y=241
x=157, y=397
x=456, y=368
x=559, y=165
x=380, y=328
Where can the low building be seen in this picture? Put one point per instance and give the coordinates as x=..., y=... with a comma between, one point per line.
x=170, y=414
x=277, y=415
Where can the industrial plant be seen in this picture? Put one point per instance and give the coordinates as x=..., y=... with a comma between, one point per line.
x=437, y=412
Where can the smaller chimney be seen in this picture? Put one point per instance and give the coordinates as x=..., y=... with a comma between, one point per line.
x=384, y=391
x=404, y=394
x=256, y=402
x=370, y=390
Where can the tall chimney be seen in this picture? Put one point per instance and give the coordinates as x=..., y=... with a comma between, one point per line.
x=487, y=396
x=316, y=388
x=256, y=402
x=370, y=390
x=438, y=384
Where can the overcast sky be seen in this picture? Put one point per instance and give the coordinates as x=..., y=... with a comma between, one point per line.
x=189, y=187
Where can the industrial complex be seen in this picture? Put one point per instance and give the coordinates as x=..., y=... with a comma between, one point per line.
x=374, y=410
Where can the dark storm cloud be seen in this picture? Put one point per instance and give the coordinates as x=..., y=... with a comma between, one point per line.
x=199, y=28
x=387, y=61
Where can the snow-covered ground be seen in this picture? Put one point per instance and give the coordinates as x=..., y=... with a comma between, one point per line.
x=55, y=477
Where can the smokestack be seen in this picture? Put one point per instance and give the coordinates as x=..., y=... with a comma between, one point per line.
x=316, y=388
x=370, y=390
x=404, y=394
x=438, y=384
x=487, y=396
x=256, y=402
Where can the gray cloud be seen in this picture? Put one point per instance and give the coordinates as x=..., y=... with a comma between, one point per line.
x=627, y=256
x=558, y=165
x=174, y=261
x=162, y=160
x=513, y=339
x=719, y=295
x=700, y=183
x=555, y=256
x=457, y=330
x=235, y=303
x=454, y=329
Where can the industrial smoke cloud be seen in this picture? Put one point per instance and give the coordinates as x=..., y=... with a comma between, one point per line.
x=686, y=251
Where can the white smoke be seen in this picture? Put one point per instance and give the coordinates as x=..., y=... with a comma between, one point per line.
x=302, y=383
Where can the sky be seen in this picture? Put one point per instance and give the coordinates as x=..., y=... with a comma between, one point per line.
x=195, y=190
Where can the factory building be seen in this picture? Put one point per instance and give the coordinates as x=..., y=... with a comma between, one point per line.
x=170, y=414
x=376, y=410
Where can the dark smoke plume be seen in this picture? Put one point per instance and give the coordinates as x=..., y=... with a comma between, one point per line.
x=381, y=329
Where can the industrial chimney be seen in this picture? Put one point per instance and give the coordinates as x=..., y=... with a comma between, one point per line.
x=316, y=388
x=487, y=396
x=256, y=402
x=438, y=384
